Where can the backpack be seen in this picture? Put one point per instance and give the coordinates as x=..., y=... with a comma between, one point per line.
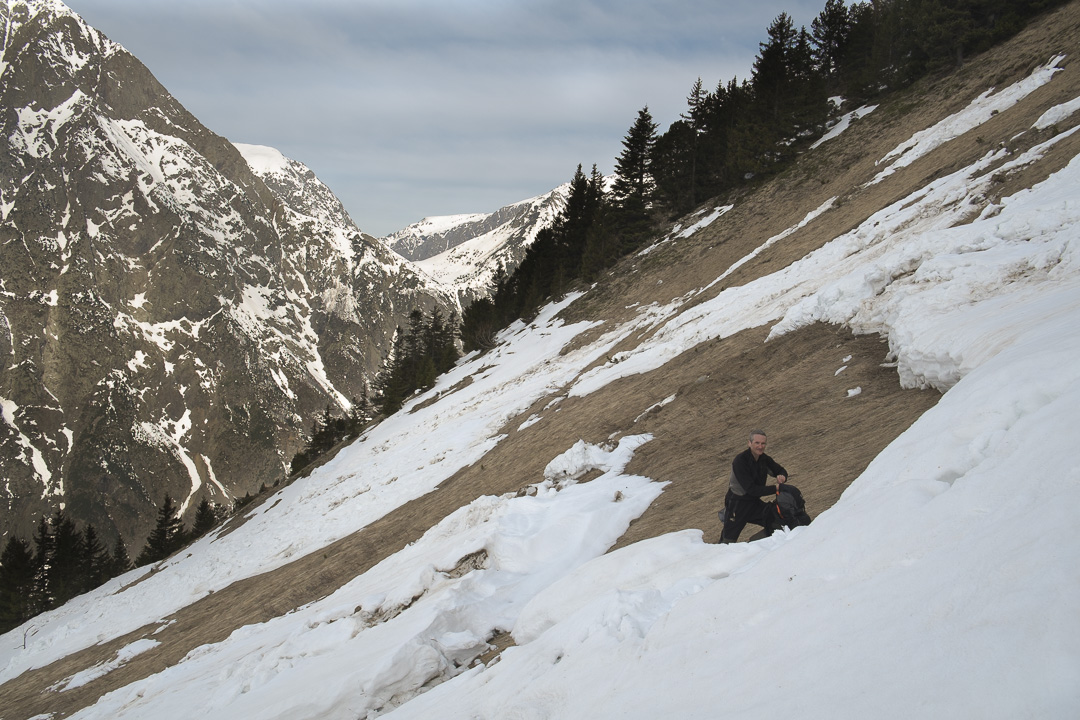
x=789, y=510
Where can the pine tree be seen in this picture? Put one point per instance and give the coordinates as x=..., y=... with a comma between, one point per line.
x=830, y=30
x=448, y=354
x=167, y=536
x=42, y=596
x=675, y=167
x=119, y=560
x=360, y=414
x=599, y=247
x=93, y=560
x=695, y=119
x=419, y=356
x=773, y=79
x=634, y=185
x=391, y=383
x=65, y=569
x=16, y=584
x=479, y=324
x=206, y=518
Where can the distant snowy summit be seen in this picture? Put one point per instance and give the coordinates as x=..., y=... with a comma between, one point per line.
x=463, y=252
x=296, y=184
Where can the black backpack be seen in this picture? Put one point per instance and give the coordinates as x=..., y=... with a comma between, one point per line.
x=789, y=510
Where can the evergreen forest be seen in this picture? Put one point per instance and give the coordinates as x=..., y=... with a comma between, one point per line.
x=742, y=132
x=63, y=561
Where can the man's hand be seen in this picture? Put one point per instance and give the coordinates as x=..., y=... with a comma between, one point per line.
x=781, y=479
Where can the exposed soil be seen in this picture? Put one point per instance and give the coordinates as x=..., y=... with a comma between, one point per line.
x=788, y=386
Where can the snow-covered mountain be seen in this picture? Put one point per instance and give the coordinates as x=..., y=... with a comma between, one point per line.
x=534, y=536
x=463, y=252
x=175, y=311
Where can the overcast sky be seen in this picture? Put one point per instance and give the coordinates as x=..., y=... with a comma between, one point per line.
x=415, y=108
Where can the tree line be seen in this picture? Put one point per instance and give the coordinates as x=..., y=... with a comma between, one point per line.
x=420, y=353
x=63, y=561
x=745, y=130
x=741, y=132
x=327, y=430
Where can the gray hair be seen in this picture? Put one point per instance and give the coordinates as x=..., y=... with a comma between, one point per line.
x=757, y=432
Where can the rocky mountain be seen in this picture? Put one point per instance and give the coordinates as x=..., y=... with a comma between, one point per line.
x=174, y=309
x=463, y=252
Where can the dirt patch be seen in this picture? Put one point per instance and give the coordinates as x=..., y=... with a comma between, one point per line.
x=790, y=388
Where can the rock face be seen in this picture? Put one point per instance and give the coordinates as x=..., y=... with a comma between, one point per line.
x=463, y=252
x=174, y=309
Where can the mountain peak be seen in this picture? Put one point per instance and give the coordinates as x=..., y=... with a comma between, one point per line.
x=177, y=311
x=464, y=252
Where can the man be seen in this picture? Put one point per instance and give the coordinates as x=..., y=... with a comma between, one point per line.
x=750, y=471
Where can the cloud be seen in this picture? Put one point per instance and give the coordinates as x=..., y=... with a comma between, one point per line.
x=408, y=108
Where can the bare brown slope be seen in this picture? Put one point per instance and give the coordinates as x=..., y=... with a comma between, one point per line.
x=721, y=388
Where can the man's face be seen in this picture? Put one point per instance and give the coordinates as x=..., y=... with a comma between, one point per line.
x=757, y=445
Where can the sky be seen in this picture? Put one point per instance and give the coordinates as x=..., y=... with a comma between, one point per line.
x=414, y=108
x=942, y=584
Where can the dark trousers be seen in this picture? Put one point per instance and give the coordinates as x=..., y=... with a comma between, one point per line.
x=740, y=511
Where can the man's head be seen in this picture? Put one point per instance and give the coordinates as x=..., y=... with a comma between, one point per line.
x=757, y=442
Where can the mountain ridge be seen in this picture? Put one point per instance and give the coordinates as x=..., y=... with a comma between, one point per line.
x=466, y=252
x=174, y=321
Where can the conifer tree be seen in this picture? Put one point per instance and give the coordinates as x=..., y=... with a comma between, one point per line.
x=695, y=119
x=419, y=356
x=391, y=383
x=16, y=584
x=42, y=596
x=119, y=560
x=167, y=536
x=447, y=348
x=675, y=167
x=480, y=323
x=830, y=30
x=206, y=518
x=772, y=77
x=93, y=561
x=361, y=413
x=65, y=567
x=599, y=250
x=632, y=190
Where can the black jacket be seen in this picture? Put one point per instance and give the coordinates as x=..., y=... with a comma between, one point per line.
x=750, y=477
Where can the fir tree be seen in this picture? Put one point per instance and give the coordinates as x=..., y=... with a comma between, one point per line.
x=600, y=246
x=94, y=561
x=17, y=571
x=119, y=560
x=360, y=414
x=419, y=356
x=632, y=190
x=830, y=30
x=479, y=324
x=206, y=518
x=773, y=77
x=694, y=117
x=675, y=167
x=65, y=567
x=167, y=536
x=42, y=596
